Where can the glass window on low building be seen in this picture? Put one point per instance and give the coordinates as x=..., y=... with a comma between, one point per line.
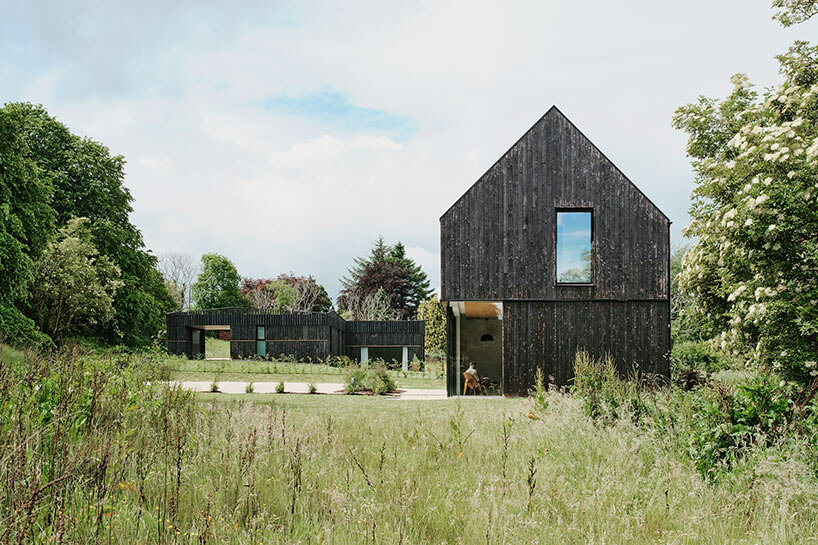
x=574, y=247
x=261, y=345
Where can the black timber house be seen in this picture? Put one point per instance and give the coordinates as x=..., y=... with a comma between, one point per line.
x=554, y=250
x=306, y=336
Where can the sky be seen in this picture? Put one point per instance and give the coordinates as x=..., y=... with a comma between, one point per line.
x=289, y=135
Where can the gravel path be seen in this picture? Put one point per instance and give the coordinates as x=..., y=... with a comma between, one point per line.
x=418, y=394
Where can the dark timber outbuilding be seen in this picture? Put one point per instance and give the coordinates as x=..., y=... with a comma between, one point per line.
x=307, y=336
x=551, y=251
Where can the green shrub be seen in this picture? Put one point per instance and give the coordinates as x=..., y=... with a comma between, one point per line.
x=726, y=422
x=312, y=389
x=374, y=378
x=249, y=388
x=280, y=387
x=19, y=330
x=339, y=361
x=699, y=356
x=606, y=395
x=214, y=386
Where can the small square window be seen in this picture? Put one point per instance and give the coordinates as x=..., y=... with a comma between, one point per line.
x=574, y=247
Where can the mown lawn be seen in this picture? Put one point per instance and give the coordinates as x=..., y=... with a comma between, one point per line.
x=182, y=369
x=216, y=348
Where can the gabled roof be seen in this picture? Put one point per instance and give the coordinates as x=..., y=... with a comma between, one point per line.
x=554, y=111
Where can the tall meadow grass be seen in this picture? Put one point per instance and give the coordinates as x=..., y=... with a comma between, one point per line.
x=108, y=456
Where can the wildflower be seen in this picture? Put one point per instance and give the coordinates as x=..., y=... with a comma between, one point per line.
x=749, y=222
x=732, y=297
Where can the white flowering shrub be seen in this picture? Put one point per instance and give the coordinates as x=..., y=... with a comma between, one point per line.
x=754, y=213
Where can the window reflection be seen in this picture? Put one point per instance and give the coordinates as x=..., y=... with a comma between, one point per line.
x=574, y=248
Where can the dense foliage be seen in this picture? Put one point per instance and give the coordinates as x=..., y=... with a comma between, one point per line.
x=217, y=285
x=373, y=378
x=755, y=216
x=26, y=217
x=74, y=287
x=387, y=268
x=48, y=176
x=432, y=313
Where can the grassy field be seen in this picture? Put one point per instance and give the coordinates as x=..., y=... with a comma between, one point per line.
x=95, y=450
x=266, y=371
x=216, y=348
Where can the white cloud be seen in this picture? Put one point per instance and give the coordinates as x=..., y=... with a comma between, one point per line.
x=212, y=170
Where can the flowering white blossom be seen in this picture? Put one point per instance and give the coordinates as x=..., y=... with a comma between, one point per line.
x=741, y=289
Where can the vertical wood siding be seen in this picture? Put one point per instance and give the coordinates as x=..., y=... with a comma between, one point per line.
x=498, y=240
x=307, y=336
x=547, y=335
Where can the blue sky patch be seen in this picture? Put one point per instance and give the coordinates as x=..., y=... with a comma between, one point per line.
x=334, y=108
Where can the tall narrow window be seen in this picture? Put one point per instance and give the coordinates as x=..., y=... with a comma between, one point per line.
x=261, y=345
x=574, y=247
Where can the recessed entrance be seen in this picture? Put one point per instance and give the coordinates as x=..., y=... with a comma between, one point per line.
x=479, y=339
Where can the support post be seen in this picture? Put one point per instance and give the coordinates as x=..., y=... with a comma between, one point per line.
x=405, y=359
x=364, y=356
x=456, y=309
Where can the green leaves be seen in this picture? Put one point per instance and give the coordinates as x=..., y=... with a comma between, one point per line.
x=218, y=284
x=431, y=312
x=48, y=176
x=74, y=285
x=754, y=214
x=389, y=269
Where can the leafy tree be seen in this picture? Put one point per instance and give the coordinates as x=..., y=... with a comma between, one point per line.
x=686, y=323
x=87, y=181
x=74, y=286
x=388, y=268
x=753, y=267
x=218, y=284
x=283, y=294
x=26, y=218
x=431, y=311
x=791, y=12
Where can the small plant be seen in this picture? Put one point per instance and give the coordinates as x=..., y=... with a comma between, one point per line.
x=532, y=479
x=311, y=388
x=280, y=387
x=249, y=388
x=540, y=390
x=214, y=386
x=342, y=362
